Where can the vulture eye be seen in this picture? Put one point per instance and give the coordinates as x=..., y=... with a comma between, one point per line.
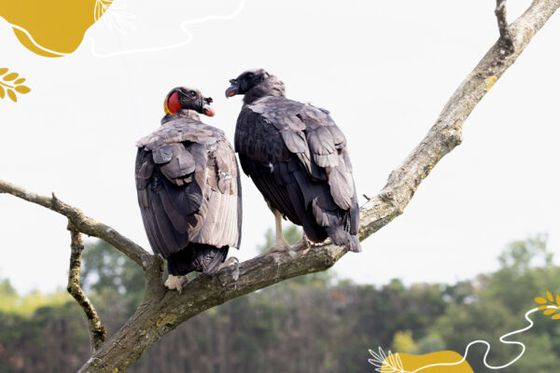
x=192, y=93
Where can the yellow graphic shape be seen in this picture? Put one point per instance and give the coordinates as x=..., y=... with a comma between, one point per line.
x=550, y=305
x=52, y=28
x=428, y=363
x=11, y=84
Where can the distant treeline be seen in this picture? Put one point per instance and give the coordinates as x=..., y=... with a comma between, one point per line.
x=309, y=324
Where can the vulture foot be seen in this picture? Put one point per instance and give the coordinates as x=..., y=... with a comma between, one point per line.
x=234, y=263
x=283, y=247
x=175, y=282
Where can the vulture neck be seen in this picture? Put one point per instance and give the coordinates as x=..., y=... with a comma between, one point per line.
x=183, y=113
x=270, y=87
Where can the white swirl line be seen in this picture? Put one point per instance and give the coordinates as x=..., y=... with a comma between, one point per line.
x=183, y=27
x=35, y=43
x=502, y=339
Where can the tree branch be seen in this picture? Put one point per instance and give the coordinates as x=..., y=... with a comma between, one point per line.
x=97, y=331
x=501, y=15
x=84, y=223
x=163, y=310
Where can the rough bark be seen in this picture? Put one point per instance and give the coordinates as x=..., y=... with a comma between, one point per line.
x=162, y=311
x=97, y=331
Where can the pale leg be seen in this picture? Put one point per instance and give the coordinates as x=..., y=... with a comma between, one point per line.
x=281, y=244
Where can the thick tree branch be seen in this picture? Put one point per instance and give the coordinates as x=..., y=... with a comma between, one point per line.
x=84, y=223
x=162, y=310
x=97, y=331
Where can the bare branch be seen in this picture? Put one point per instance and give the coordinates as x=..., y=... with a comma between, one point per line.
x=97, y=331
x=501, y=15
x=84, y=223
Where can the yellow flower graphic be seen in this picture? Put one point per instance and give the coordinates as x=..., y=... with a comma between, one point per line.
x=11, y=84
x=550, y=305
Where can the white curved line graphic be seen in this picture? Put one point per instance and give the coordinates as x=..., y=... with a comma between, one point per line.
x=35, y=43
x=183, y=27
x=502, y=339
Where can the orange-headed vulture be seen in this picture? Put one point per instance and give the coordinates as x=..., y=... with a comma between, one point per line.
x=188, y=187
x=298, y=159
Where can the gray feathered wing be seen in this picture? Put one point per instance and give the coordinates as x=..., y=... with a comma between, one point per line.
x=188, y=187
x=298, y=159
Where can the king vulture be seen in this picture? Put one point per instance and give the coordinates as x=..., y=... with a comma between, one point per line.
x=188, y=187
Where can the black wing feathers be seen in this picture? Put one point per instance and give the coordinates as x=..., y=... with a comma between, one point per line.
x=298, y=159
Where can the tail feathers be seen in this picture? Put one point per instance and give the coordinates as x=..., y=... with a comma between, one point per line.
x=341, y=237
x=196, y=257
x=208, y=259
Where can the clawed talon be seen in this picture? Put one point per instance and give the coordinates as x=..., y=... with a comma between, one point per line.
x=175, y=282
x=232, y=262
x=282, y=247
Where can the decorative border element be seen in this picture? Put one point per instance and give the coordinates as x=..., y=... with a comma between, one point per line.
x=12, y=84
x=392, y=363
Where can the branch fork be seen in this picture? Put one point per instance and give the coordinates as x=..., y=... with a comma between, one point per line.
x=503, y=26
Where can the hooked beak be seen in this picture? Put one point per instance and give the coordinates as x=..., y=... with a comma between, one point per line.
x=206, y=109
x=233, y=89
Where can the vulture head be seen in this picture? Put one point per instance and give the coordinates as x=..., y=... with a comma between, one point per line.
x=182, y=98
x=255, y=84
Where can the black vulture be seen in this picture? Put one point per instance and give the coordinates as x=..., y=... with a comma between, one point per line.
x=298, y=159
x=189, y=189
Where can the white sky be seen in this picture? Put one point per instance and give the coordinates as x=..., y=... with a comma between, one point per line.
x=383, y=69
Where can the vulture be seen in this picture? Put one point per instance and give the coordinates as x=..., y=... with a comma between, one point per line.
x=298, y=159
x=189, y=190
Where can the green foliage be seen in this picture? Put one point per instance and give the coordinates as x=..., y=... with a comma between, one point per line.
x=12, y=302
x=313, y=323
x=403, y=342
x=111, y=275
x=292, y=234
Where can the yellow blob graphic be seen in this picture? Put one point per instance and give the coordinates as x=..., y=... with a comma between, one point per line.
x=52, y=28
x=435, y=362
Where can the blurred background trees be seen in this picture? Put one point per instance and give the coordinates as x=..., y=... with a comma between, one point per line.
x=316, y=323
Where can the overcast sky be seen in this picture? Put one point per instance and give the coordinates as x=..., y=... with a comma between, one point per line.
x=383, y=69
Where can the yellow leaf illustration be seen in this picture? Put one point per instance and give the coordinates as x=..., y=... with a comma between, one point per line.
x=11, y=84
x=558, y=299
x=10, y=77
x=556, y=317
x=22, y=89
x=543, y=307
x=549, y=296
x=12, y=95
x=549, y=311
x=540, y=300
